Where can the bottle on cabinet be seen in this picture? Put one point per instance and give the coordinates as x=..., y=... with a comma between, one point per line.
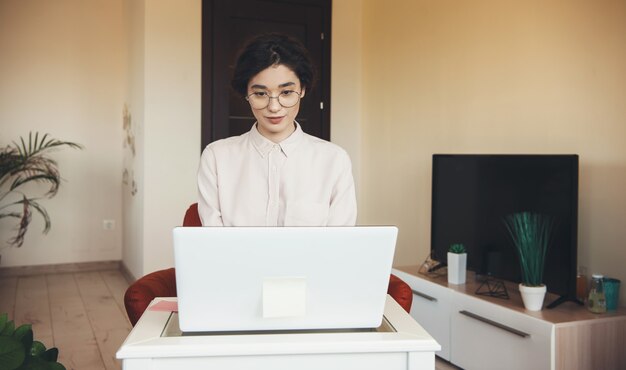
x=596, y=302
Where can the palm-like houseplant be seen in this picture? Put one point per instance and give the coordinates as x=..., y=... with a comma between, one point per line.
x=530, y=233
x=21, y=164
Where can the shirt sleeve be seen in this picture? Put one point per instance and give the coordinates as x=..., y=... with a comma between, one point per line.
x=208, y=191
x=343, y=211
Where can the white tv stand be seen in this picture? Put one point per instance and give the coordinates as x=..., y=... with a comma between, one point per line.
x=481, y=332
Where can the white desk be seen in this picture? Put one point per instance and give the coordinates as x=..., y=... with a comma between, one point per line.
x=155, y=343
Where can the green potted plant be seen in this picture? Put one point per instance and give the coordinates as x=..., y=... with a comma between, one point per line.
x=457, y=264
x=21, y=164
x=530, y=233
x=18, y=350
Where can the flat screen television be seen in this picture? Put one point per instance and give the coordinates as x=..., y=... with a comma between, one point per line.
x=471, y=193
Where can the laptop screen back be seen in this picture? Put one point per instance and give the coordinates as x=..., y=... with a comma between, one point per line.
x=282, y=278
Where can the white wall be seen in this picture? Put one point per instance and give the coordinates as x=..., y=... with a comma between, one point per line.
x=62, y=71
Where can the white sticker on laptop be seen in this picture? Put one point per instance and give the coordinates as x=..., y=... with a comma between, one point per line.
x=284, y=297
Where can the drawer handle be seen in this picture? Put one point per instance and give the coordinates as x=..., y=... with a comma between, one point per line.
x=494, y=323
x=426, y=296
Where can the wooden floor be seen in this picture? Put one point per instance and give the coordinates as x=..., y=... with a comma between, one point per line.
x=82, y=314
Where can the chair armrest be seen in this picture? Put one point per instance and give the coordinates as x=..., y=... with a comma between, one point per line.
x=401, y=292
x=139, y=295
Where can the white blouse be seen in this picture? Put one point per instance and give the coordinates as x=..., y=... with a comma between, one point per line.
x=248, y=180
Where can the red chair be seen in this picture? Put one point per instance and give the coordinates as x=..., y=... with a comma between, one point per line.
x=162, y=283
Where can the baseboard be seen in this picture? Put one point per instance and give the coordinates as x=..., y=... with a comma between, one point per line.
x=61, y=268
x=130, y=278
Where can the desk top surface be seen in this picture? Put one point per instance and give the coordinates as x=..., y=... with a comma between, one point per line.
x=156, y=335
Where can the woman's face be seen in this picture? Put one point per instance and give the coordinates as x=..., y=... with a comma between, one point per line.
x=276, y=122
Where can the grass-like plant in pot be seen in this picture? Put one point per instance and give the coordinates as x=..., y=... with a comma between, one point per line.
x=22, y=164
x=530, y=233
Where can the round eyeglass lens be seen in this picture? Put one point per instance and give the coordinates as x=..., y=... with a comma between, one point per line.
x=286, y=99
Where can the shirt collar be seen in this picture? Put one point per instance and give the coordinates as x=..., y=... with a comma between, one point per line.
x=263, y=145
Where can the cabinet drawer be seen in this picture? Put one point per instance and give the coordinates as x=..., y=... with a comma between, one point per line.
x=431, y=309
x=487, y=336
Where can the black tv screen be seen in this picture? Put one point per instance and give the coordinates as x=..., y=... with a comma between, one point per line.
x=472, y=193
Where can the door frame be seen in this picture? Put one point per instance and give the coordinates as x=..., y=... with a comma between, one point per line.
x=207, y=90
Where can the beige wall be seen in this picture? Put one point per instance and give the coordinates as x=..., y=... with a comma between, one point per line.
x=62, y=68
x=346, y=81
x=408, y=80
x=133, y=198
x=172, y=122
x=164, y=101
x=68, y=67
x=491, y=76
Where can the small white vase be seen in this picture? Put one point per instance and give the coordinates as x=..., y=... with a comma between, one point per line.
x=457, y=266
x=532, y=296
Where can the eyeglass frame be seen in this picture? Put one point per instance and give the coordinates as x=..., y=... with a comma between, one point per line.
x=269, y=100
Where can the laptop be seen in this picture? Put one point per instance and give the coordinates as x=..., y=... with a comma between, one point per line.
x=242, y=279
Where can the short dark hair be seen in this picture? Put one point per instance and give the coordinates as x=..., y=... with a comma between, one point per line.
x=271, y=49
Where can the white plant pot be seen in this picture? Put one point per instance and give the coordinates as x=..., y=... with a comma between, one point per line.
x=533, y=296
x=457, y=266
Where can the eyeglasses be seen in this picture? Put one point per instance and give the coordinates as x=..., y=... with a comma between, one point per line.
x=261, y=99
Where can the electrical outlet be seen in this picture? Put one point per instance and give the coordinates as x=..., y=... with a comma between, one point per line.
x=108, y=224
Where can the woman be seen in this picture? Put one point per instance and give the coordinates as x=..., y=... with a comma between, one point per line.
x=275, y=174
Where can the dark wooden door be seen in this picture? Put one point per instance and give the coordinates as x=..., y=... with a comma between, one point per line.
x=226, y=25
